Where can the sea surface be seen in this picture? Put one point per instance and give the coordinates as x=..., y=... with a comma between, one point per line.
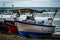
x=35, y=8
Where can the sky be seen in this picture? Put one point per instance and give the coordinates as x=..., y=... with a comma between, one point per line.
x=30, y=3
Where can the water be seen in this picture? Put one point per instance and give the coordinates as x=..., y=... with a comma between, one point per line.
x=35, y=8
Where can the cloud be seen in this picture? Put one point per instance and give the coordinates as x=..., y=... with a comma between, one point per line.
x=33, y=3
x=37, y=3
x=55, y=0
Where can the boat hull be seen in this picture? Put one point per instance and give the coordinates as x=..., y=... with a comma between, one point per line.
x=3, y=28
x=34, y=30
x=12, y=28
x=34, y=35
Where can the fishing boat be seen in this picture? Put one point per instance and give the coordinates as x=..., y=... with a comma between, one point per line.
x=34, y=30
x=30, y=28
x=8, y=24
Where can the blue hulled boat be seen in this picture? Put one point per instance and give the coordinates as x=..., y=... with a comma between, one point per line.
x=34, y=30
x=30, y=28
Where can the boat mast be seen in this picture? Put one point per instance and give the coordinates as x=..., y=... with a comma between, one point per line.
x=53, y=16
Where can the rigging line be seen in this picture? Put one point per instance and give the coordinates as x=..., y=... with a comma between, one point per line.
x=54, y=16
